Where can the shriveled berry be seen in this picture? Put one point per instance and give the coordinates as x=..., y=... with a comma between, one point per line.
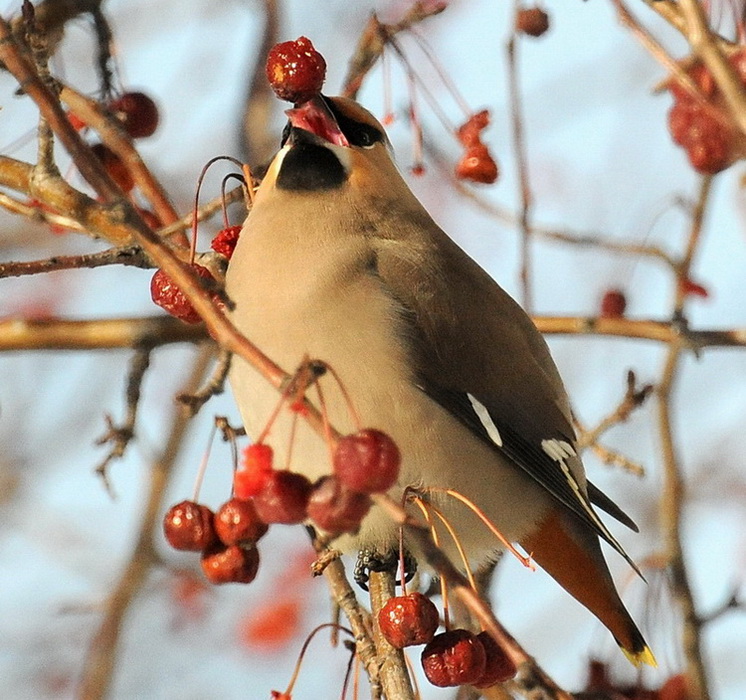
x=692, y=288
x=477, y=165
x=408, y=620
x=233, y=564
x=114, y=166
x=336, y=509
x=254, y=471
x=367, y=461
x=532, y=21
x=674, y=688
x=189, y=526
x=225, y=241
x=470, y=132
x=613, y=303
x=498, y=667
x=236, y=522
x=137, y=112
x=295, y=70
x=168, y=296
x=284, y=498
x=453, y=658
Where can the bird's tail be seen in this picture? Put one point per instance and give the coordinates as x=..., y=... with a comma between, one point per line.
x=571, y=554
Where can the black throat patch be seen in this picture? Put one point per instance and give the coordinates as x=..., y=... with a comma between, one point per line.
x=308, y=167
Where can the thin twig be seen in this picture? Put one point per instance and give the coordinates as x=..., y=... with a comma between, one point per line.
x=214, y=386
x=519, y=149
x=118, y=437
x=633, y=398
x=373, y=40
x=130, y=256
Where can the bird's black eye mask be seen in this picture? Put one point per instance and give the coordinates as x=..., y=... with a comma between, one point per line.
x=357, y=133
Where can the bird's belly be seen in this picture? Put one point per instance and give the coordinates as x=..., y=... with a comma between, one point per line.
x=355, y=333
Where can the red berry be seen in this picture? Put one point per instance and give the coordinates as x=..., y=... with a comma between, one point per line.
x=675, y=688
x=75, y=121
x=295, y=70
x=153, y=222
x=254, y=471
x=453, y=658
x=284, y=498
x=137, y=112
x=613, y=304
x=408, y=620
x=236, y=522
x=188, y=526
x=699, y=123
x=690, y=287
x=367, y=461
x=114, y=166
x=532, y=21
x=233, y=564
x=469, y=133
x=225, y=241
x=168, y=296
x=498, y=667
x=336, y=509
x=477, y=165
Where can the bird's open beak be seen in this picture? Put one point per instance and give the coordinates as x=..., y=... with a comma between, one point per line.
x=315, y=117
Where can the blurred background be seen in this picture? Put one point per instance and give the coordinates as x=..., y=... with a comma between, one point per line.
x=601, y=163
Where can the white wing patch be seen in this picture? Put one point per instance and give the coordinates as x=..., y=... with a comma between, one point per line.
x=484, y=418
x=560, y=451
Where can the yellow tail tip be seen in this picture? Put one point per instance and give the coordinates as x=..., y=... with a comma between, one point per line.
x=637, y=658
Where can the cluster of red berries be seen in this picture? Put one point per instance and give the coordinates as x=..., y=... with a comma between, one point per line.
x=701, y=124
x=166, y=293
x=227, y=539
x=452, y=658
x=476, y=164
x=295, y=70
x=138, y=115
x=364, y=462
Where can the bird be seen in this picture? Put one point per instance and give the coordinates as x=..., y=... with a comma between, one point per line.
x=339, y=261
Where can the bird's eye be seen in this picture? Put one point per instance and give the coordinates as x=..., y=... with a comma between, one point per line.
x=364, y=135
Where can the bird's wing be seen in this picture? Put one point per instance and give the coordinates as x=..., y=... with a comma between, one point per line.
x=477, y=354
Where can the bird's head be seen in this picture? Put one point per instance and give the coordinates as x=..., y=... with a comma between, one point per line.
x=332, y=143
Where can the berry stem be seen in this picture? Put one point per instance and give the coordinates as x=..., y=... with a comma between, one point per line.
x=203, y=464
x=388, y=111
x=436, y=540
x=195, y=211
x=346, y=395
x=442, y=73
x=526, y=561
x=457, y=542
x=302, y=653
x=223, y=206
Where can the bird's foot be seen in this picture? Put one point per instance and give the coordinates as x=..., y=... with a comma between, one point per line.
x=371, y=560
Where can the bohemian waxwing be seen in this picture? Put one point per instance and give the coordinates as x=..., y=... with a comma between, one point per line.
x=339, y=261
